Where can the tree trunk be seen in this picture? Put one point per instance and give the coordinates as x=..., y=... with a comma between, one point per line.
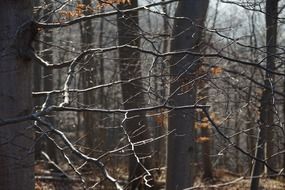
x=266, y=112
x=271, y=43
x=180, y=155
x=16, y=140
x=159, y=146
x=37, y=87
x=88, y=79
x=238, y=166
x=283, y=139
x=262, y=136
x=132, y=94
x=102, y=93
x=205, y=132
x=48, y=77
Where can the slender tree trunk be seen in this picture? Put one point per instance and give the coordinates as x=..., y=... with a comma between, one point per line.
x=266, y=111
x=180, y=155
x=48, y=76
x=237, y=128
x=102, y=95
x=283, y=139
x=132, y=92
x=250, y=117
x=161, y=89
x=206, y=151
x=250, y=122
x=262, y=136
x=205, y=132
x=16, y=140
x=271, y=43
x=88, y=79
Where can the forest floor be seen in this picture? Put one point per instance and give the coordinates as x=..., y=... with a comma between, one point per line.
x=225, y=180
x=222, y=180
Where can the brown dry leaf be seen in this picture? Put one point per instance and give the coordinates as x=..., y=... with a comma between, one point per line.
x=104, y=3
x=216, y=70
x=68, y=14
x=37, y=187
x=161, y=119
x=204, y=125
x=80, y=6
x=202, y=139
x=204, y=119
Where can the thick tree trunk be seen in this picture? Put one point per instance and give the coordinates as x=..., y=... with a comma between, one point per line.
x=16, y=140
x=186, y=36
x=37, y=87
x=266, y=112
x=132, y=92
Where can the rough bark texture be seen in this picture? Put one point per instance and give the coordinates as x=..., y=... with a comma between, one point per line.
x=271, y=43
x=186, y=36
x=88, y=79
x=266, y=104
x=284, y=125
x=258, y=167
x=16, y=154
x=48, y=77
x=37, y=87
x=205, y=132
x=132, y=92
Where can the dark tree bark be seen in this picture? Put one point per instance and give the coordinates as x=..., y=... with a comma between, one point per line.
x=186, y=36
x=205, y=132
x=16, y=140
x=130, y=67
x=283, y=126
x=271, y=43
x=258, y=167
x=266, y=104
x=161, y=88
x=88, y=78
x=48, y=76
x=37, y=87
x=102, y=94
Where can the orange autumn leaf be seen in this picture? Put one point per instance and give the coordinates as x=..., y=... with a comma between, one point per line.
x=205, y=125
x=81, y=6
x=202, y=125
x=202, y=139
x=103, y=3
x=216, y=70
x=161, y=119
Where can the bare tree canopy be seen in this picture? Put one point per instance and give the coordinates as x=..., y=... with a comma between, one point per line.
x=142, y=94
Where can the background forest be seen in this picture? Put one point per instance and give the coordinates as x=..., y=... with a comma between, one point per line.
x=142, y=94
